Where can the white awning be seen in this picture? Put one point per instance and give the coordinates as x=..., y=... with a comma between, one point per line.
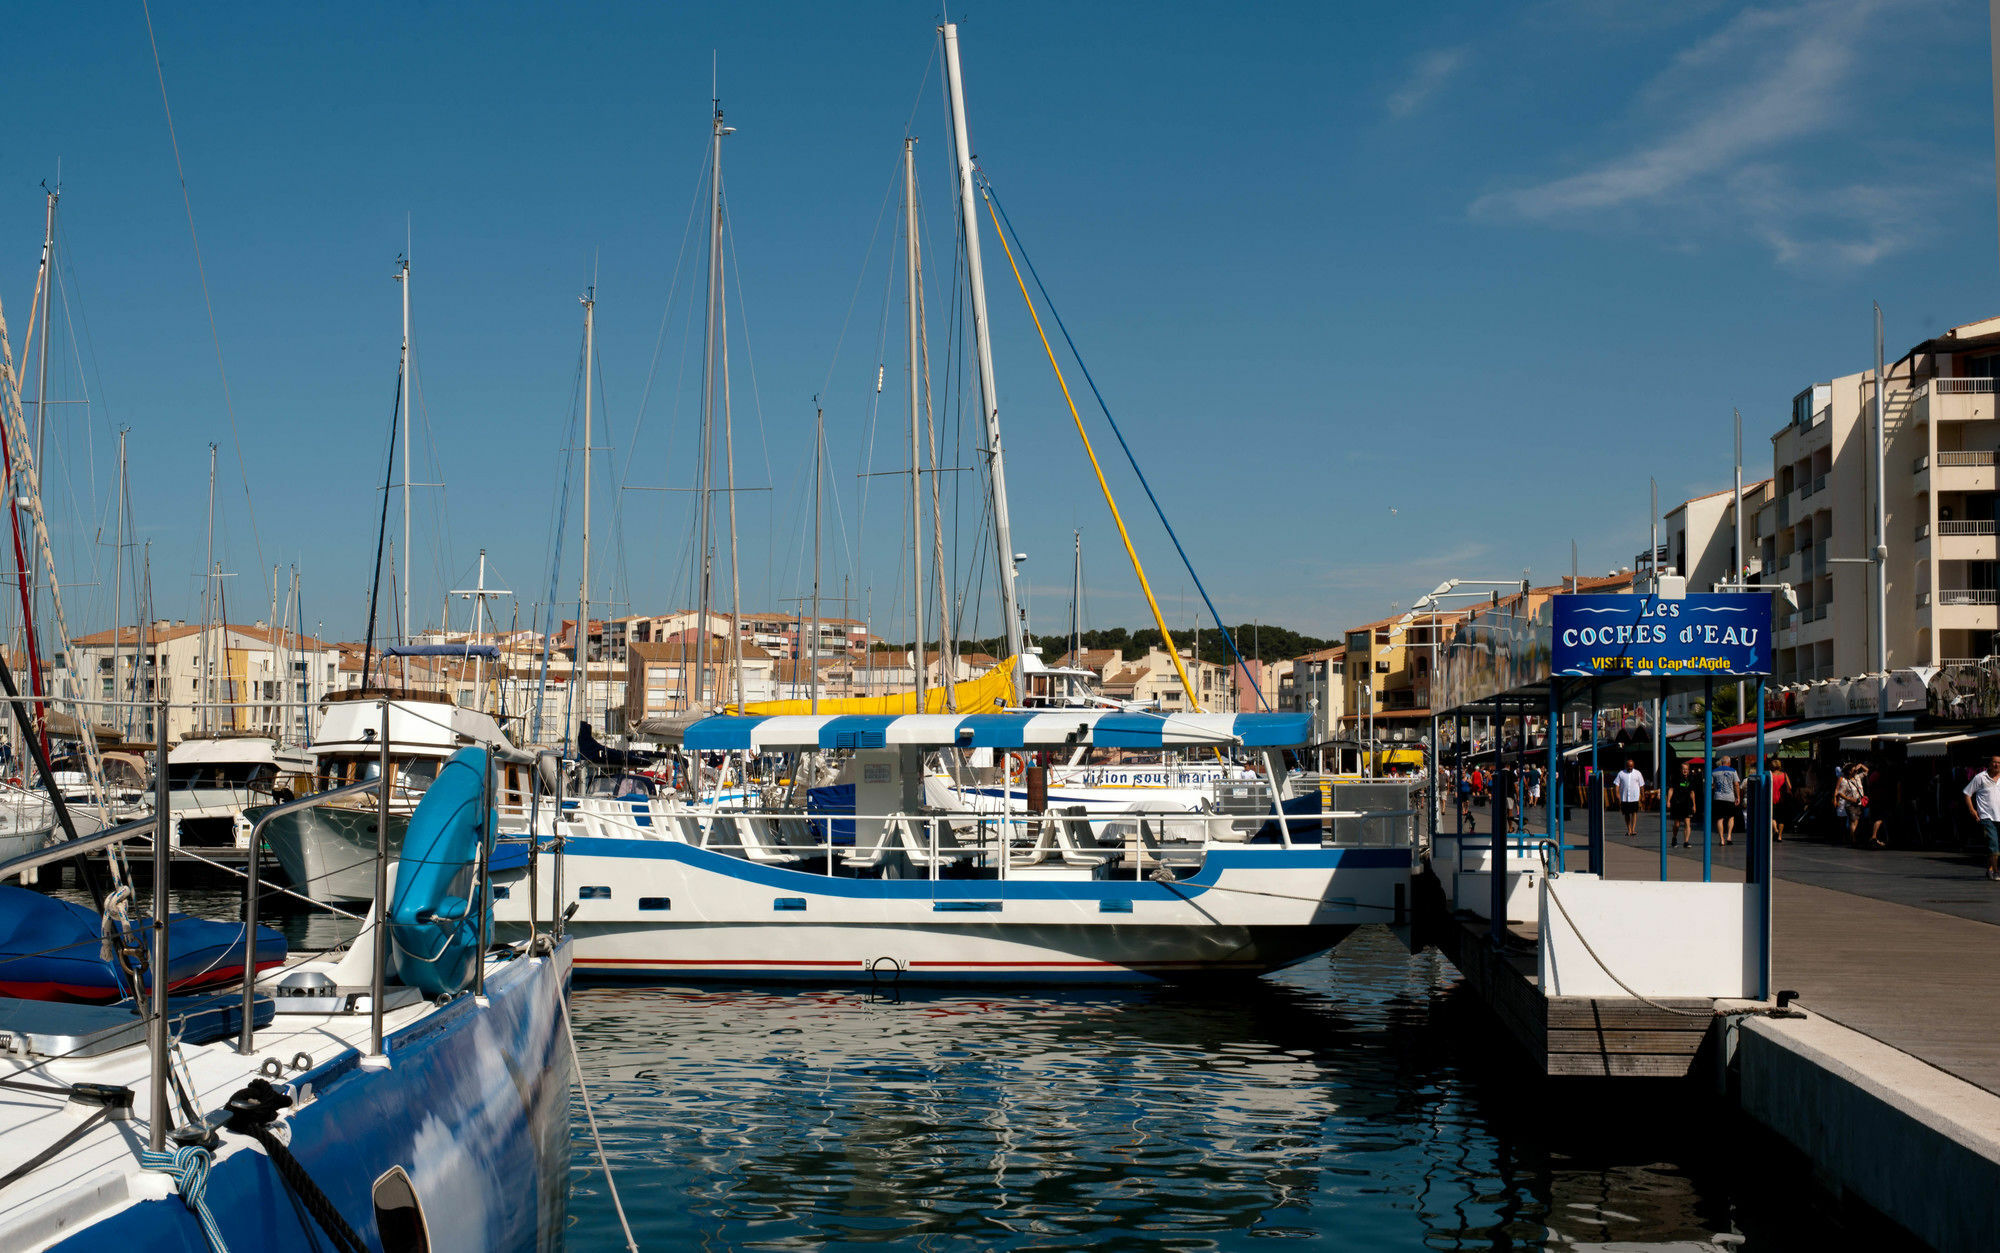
x=1798, y=730
x=1936, y=747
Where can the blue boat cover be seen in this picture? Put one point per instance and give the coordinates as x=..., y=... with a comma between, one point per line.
x=1026, y=729
x=51, y=950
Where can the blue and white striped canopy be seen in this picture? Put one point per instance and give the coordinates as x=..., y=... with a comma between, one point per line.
x=1027, y=729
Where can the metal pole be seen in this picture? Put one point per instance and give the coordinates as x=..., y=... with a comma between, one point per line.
x=157, y=1115
x=404, y=278
x=1555, y=749
x=1760, y=846
x=1660, y=769
x=379, y=977
x=1742, y=558
x=246, y=1040
x=989, y=403
x=589, y=302
x=1881, y=552
x=1707, y=779
x=1497, y=804
x=706, y=497
x=486, y=833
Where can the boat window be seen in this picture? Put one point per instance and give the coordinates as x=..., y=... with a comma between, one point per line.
x=399, y=1219
x=417, y=773
x=221, y=774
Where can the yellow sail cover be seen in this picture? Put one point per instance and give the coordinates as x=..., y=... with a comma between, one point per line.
x=985, y=694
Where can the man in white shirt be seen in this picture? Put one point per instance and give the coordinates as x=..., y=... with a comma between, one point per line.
x=1631, y=785
x=1982, y=797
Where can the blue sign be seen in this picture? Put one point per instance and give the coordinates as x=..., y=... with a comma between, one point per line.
x=1613, y=636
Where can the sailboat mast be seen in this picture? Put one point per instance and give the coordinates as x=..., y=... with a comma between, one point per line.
x=729, y=483
x=208, y=604
x=47, y=278
x=708, y=372
x=583, y=588
x=819, y=461
x=916, y=463
x=403, y=277
x=1076, y=599
x=142, y=661
x=118, y=593
x=989, y=404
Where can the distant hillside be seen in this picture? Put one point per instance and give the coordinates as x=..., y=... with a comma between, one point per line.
x=1272, y=643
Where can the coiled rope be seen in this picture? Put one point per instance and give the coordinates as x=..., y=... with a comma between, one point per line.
x=188, y=1166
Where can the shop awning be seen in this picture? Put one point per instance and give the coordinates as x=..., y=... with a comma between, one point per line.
x=1935, y=747
x=1811, y=728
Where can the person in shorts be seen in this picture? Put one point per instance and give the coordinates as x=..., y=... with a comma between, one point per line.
x=1726, y=792
x=1630, y=786
x=1982, y=797
x=1680, y=804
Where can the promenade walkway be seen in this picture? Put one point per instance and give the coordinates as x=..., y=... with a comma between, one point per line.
x=1900, y=946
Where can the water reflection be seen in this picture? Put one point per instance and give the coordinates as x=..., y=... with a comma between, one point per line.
x=1333, y=1103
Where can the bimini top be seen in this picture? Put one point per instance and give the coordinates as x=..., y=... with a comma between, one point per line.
x=1106, y=728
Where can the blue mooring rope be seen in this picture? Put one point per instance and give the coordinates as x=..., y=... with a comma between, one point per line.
x=1050, y=305
x=189, y=1166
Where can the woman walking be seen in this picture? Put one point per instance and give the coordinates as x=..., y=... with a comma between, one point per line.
x=1850, y=803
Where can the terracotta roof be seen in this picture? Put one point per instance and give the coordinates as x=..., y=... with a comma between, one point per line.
x=159, y=635
x=690, y=650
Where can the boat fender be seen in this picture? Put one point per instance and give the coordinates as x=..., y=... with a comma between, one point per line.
x=435, y=922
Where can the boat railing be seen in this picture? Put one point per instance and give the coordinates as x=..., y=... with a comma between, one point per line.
x=936, y=843
x=252, y=891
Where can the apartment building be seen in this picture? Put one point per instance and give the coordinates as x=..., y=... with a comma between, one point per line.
x=1940, y=436
x=1699, y=538
x=268, y=680
x=1153, y=680
x=1315, y=684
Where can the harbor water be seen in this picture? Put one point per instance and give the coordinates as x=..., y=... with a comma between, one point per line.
x=1358, y=1101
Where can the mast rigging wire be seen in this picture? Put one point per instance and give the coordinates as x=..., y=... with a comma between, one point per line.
x=1227, y=635
x=187, y=202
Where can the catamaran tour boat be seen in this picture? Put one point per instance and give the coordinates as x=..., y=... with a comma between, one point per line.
x=902, y=889
x=329, y=850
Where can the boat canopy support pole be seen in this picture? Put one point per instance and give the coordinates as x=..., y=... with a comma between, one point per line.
x=379, y=976
x=156, y=1107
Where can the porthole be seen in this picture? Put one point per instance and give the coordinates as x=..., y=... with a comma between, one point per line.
x=399, y=1218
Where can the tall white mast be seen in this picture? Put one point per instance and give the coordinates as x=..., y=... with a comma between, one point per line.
x=403, y=277
x=729, y=484
x=819, y=457
x=916, y=506
x=47, y=283
x=208, y=605
x=583, y=588
x=118, y=595
x=989, y=403
x=711, y=337
x=48, y=287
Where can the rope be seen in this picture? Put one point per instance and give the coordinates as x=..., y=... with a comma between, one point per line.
x=1159, y=619
x=189, y=1166
x=1578, y=931
x=1227, y=635
x=251, y=1112
x=603, y=1162
x=76, y=1133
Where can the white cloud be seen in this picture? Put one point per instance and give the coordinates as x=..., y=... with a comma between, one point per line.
x=1719, y=124
x=1430, y=73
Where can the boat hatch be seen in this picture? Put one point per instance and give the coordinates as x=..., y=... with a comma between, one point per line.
x=61, y=1029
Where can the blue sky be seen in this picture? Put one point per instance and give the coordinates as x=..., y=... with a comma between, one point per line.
x=1383, y=294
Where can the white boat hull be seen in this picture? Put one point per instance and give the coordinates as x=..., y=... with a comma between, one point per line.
x=664, y=910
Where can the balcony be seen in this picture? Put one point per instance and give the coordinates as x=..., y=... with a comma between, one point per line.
x=1954, y=400
x=1959, y=609
x=1955, y=472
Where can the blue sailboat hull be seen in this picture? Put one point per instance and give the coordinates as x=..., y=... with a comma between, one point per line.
x=474, y=1108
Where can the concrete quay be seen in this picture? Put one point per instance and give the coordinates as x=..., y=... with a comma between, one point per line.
x=1886, y=1079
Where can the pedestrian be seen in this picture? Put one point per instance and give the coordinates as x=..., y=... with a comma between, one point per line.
x=1630, y=785
x=1534, y=791
x=1851, y=802
x=1503, y=798
x=1781, y=795
x=1982, y=797
x=1726, y=787
x=1680, y=803
x=1464, y=799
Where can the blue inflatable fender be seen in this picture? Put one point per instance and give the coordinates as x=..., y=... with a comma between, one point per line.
x=433, y=921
